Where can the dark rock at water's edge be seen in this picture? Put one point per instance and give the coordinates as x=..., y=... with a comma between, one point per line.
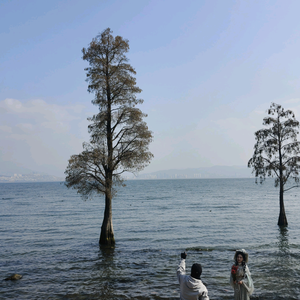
x=14, y=277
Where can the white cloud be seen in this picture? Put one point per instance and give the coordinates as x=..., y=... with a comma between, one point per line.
x=214, y=140
x=11, y=105
x=40, y=135
x=43, y=136
x=50, y=116
x=5, y=128
x=25, y=127
x=292, y=101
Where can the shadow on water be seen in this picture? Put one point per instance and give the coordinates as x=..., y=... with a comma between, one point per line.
x=283, y=241
x=282, y=264
x=131, y=275
x=104, y=270
x=106, y=251
x=276, y=269
x=287, y=266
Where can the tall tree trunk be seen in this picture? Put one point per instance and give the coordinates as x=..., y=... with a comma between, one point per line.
x=107, y=232
x=282, y=221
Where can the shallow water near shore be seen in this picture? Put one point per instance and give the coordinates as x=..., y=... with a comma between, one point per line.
x=50, y=236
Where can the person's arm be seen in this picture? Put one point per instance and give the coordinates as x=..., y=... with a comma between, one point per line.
x=247, y=281
x=181, y=266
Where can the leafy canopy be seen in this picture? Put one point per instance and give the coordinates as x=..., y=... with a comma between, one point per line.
x=119, y=137
x=276, y=151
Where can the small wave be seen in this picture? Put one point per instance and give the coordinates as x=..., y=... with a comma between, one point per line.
x=200, y=249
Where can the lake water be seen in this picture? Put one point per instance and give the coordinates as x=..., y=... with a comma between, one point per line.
x=50, y=236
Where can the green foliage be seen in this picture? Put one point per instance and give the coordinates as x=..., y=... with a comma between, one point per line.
x=276, y=151
x=119, y=136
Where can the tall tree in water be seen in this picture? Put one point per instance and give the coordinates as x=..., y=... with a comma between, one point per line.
x=119, y=137
x=276, y=152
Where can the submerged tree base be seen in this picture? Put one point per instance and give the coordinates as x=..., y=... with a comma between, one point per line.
x=107, y=240
x=282, y=221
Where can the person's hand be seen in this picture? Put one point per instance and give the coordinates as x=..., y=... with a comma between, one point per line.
x=240, y=282
x=183, y=255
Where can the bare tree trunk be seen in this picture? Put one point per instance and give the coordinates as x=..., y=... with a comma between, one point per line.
x=282, y=221
x=107, y=232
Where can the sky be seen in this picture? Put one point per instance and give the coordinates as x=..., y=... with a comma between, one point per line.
x=209, y=71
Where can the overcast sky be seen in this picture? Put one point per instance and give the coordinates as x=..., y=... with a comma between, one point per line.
x=209, y=70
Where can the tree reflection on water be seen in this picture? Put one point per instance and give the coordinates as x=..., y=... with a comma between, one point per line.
x=283, y=241
x=283, y=263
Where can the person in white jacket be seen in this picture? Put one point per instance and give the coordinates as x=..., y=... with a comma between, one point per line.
x=191, y=286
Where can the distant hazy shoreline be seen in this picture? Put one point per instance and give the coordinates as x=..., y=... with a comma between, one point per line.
x=29, y=178
x=214, y=172
x=198, y=173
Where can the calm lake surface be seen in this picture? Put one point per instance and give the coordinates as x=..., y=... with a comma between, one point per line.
x=50, y=236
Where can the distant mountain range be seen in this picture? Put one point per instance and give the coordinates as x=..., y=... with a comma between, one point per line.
x=207, y=172
x=8, y=168
x=13, y=173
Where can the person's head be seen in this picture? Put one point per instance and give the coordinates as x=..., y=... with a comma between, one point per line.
x=196, y=271
x=241, y=257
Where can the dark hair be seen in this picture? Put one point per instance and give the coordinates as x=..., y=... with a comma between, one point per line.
x=196, y=271
x=244, y=258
